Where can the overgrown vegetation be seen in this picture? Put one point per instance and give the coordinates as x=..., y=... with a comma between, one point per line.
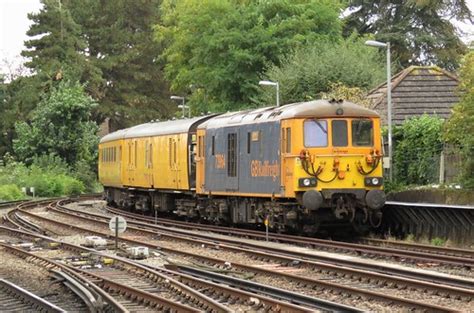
x=48, y=175
x=56, y=151
x=460, y=127
x=418, y=146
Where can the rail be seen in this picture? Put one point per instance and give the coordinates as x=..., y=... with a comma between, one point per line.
x=23, y=295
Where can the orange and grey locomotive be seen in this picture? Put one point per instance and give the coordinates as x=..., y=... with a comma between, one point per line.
x=301, y=166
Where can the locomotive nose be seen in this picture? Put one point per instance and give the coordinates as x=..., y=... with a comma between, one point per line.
x=312, y=199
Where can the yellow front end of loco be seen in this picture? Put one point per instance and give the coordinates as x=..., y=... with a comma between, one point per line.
x=333, y=162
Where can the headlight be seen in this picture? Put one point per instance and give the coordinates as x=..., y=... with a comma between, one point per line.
x=373, y=181
x=307, y=182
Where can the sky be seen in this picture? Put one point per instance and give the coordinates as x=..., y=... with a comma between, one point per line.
x=14, y=23
x=13, y=26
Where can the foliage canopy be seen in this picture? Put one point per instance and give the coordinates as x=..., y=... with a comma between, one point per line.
x=420, y=31
x=220, y=47
x=460, y=127
x=61, y=126
x=418, y=146
x=309, y=71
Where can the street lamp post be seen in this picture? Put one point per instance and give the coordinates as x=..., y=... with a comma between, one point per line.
x=183, y=106
x=379, y=44
x=269, y=83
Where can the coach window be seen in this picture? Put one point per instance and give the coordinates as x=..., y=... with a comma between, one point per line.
x=362, y=133
x=339, y=133
x=315, y=133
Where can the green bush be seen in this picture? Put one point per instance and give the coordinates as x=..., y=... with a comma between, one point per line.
x=418, y=144
x=459, y=129
x=52, y=179
x=83, y=172
x=71, y=186
x=10, y=192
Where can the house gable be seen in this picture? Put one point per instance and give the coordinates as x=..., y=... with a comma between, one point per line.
x=417, y=90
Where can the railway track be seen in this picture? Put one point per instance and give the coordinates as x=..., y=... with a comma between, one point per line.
x=8, y=204
x=152, y=279
x=236, y=244
x=314, y=283
x=378, y=248
x=15, y=298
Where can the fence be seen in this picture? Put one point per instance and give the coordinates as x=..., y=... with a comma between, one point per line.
x=443, y=168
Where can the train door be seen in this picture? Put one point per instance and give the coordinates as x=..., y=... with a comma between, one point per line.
x=177, y=160
x=173, y=161
x=192, y=155
x=232, y=159
x=287, y=159
x=200, y=160
x=132, y=162
x=149, y=163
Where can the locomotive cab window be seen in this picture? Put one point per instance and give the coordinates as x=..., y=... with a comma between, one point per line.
x=339, y=133
x=362, y=133
x=315, y=133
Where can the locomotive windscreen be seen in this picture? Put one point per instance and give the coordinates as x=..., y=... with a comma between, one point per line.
x=362, y=133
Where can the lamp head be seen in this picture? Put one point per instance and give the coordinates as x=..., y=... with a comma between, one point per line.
x=377, y=44
x=267, y=83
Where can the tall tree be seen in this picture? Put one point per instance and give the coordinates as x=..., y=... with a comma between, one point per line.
x=221, y=47
x=420, y=31
x=119, y=38
x=57, y=48
x=20, y=98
